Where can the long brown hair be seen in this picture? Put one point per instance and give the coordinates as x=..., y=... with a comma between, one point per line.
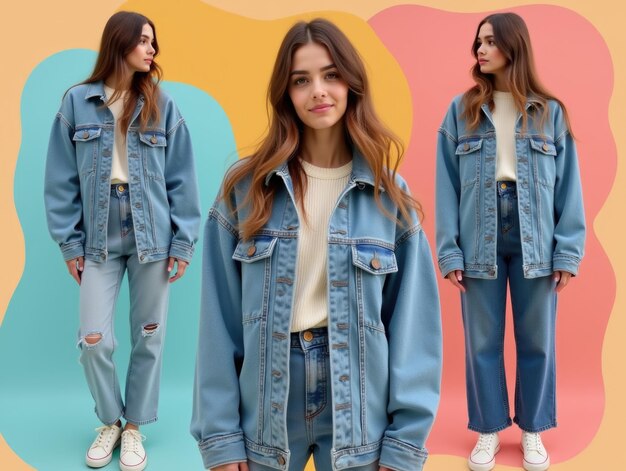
x=364, y=130
x=512, y=39
x=120, y=37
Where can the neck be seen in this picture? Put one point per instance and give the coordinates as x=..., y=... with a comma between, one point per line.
x=501, y=84
x=325, y=147
x=119, y=82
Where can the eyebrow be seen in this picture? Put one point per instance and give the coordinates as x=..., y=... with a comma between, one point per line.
x=304, y=72
x=486, y=37
x=143, y=36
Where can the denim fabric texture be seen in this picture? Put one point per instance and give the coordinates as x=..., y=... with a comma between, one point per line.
x=149, y=292
x=549, y=195
x=534, y=322
x=164, y=199
x=384, y=334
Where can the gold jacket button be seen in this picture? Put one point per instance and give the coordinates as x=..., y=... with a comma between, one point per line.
x=545, y=147
x=503, y=185
x=153, y=139
x=466, y=147
x=85, y=134
x=251, y=250
x=281, y=460
x=375, y=263
x=308, y=335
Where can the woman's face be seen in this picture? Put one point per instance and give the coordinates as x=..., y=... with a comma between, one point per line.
x=317, y=91
x=490, y=59
x=140, y=59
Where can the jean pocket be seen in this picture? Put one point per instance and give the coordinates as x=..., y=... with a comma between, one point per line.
x=87, y=142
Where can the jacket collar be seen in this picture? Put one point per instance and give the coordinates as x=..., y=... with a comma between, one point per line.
x=96, y=89
x=361, y=172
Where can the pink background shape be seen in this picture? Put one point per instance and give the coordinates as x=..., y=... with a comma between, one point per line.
x=433, y=49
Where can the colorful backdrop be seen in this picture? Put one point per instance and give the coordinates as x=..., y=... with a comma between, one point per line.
x=217, y=56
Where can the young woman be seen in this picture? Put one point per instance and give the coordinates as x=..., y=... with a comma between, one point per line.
x=121, y=195
x=509, y=211
x=320, y=329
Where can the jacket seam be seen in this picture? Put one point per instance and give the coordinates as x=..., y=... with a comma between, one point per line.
x=175, y=127
x=222, y=221
x=64, y=120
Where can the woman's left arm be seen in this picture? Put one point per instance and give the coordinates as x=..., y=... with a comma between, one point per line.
x=182, y=188
x=569, y=230
x=411, y=314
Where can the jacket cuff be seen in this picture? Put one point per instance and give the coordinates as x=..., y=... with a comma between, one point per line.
x=72, y=250
x=181, y=251
x=400, y=456
x=451, y=262
x=223, y=449
x=568, y=263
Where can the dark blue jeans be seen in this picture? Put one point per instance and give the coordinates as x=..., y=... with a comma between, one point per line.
x=534, y=319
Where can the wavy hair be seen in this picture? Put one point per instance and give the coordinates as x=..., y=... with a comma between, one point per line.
x=120, y=37
x=380, y=148
x=513, y=40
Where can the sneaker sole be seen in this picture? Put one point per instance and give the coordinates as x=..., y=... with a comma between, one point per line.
x=535, y=466
x=95, y=463
x=137, y=467
x=483, y=466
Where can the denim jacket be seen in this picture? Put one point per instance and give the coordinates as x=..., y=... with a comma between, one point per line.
x=383, y=323
x=162, y=181
x=549, y=195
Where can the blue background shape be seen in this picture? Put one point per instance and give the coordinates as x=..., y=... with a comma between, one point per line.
x=46, y=410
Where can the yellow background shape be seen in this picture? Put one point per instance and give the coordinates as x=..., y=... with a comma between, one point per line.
x=31, y=31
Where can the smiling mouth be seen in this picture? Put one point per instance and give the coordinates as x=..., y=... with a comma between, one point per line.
x=320, y=108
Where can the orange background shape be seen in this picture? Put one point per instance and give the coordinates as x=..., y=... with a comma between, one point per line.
x=34, y=30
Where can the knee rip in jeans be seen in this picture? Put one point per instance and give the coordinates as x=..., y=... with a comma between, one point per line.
x=91, y=340
x=149, y=330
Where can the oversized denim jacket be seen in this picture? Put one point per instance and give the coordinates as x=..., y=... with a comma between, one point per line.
x=549, y=195
x=384, y=332
x=162, y=181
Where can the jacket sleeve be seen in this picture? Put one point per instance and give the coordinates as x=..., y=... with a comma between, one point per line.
x=182, y=190
x=62, y=198
x=215, y=420
x=447, y=197
x=411, y=314
x=569, y=230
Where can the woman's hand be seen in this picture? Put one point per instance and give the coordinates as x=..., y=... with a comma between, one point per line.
x=561, y=278
x=180, y=269
x=75, y=267
x=456, y=278
x=232, y=467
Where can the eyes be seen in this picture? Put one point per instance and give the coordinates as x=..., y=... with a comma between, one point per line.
x=489, y=42
x=303, y=80
x=144, y=42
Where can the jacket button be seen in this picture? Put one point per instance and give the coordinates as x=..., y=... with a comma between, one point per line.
x=251, y=250
x=308, y=336
x=85, y=134
x=281, y=460
x=375, y=263
x=545, y=147
x=503, y=185
x=153, y=139
x=142, y=257
x=466, y=147
x=120, y=188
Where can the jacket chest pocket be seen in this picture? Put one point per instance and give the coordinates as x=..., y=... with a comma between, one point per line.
x=255, y=256
x=544, y=164
x=468, y=153
x=372, y=263
x=87, y=142
x=153, y=146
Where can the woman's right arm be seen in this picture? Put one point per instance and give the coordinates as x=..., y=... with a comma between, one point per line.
x=64, y=209
x=448, y=192
x=215, y=421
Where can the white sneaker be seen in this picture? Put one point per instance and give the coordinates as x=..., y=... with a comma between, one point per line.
x=535, y=455
x=132, y=455
x=483, y=456
x=101, y=450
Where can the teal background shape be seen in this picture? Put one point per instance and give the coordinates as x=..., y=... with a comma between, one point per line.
x=46, y=410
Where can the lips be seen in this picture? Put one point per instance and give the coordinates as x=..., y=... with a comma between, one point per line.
x=321, y=108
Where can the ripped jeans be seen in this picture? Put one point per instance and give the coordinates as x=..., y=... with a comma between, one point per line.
x=149, y=293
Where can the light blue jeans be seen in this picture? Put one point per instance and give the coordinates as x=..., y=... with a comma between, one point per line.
x=149, y=292
x=534, y=318
x=309, y=408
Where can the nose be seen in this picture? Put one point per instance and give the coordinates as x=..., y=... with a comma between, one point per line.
x=151, y=49
x=319, y=91
x=480, y=49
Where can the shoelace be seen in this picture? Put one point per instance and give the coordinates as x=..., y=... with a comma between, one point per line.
x=131, y=440
x=533, y=442
x=484, y=441
x=105, y=433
